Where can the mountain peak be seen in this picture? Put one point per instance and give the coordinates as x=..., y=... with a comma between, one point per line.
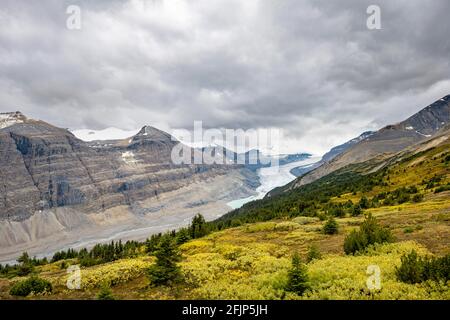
x=152, y=134
x=8, y=119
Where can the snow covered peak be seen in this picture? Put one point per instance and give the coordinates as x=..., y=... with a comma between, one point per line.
x=105, y=134
x=8, y=119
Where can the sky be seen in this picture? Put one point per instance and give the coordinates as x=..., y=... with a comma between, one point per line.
x=310, y=68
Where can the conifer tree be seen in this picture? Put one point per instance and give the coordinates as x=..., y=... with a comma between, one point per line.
x=165, y=271
x=297, y=276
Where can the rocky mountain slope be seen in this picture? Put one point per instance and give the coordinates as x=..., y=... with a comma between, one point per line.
x=385, y=142
x=52, y=182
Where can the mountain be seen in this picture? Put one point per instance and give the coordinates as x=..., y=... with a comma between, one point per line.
x=56, y=189
x=334, y=152
x=384, y=142
x=422, y=168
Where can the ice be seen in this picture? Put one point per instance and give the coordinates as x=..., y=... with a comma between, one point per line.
x=273, y=177
x=105, y=134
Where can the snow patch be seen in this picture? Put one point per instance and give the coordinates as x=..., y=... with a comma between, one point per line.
x=9, y=119
x=425, y=135
x=128, y=157
x=409, y=128
x=105, y=134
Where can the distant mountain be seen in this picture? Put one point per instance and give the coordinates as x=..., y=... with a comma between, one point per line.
x=384, y=142
x=334, y=152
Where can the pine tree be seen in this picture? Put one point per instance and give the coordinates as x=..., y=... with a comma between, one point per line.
x=165, y=271
x=105, y=293
x=198, y=227
x=24, y=258
x=182, y=236
x=331, y=226
x=313, y=253
x=297, y=276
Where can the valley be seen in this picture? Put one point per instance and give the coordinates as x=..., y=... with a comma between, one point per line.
x=401, y=196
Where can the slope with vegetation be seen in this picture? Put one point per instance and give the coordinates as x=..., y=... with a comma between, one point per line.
x=314, y=242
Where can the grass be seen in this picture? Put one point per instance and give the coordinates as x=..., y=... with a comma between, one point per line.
x=252, y=261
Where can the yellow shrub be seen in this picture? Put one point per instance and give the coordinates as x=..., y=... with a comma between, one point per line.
x=195, y=246
x=305, y=220
x=113, y=273
x=260, y=227
x=286, y=226
x=345, y=277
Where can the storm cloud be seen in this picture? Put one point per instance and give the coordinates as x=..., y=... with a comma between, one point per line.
x=311, y=68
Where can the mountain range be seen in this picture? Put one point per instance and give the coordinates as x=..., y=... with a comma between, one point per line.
x=381, y=144
x=57, y=189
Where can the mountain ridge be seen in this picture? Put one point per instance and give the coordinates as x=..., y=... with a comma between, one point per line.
x=388, y=140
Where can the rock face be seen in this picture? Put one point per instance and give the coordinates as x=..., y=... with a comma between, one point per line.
x=386, y=141
x=43, y=168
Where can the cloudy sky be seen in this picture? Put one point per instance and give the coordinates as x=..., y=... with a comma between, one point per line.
x=309, y=67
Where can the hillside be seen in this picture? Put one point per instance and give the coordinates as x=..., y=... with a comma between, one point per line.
x=247, y=253
x=386, y=141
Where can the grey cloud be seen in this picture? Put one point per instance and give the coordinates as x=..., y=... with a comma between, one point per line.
x=309, y=67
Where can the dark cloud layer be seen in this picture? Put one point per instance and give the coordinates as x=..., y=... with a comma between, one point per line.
x=310, y=67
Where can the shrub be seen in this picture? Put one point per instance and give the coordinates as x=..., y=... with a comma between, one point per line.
x=331, y=226
x=356, y=211
x=297, y=276
x=364, y=203
x=417, y=197
x=105, y=293
x=408, y=230
x=337, y=211
x=370, y=232
x=31, y=285
x=313, y=253
x=442, y=188
x=416, y=269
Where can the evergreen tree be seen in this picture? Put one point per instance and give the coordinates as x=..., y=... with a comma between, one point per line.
x=105, y=293
x=370, y=232
x=331, y=226
x=24, y=258
x=364, y=203
x=165, y=271
x=313, y=253
x=198, y=227
x=297, y=276
x=356, y=210
x=182, y=236
x=152, y=243
x=25, y=265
